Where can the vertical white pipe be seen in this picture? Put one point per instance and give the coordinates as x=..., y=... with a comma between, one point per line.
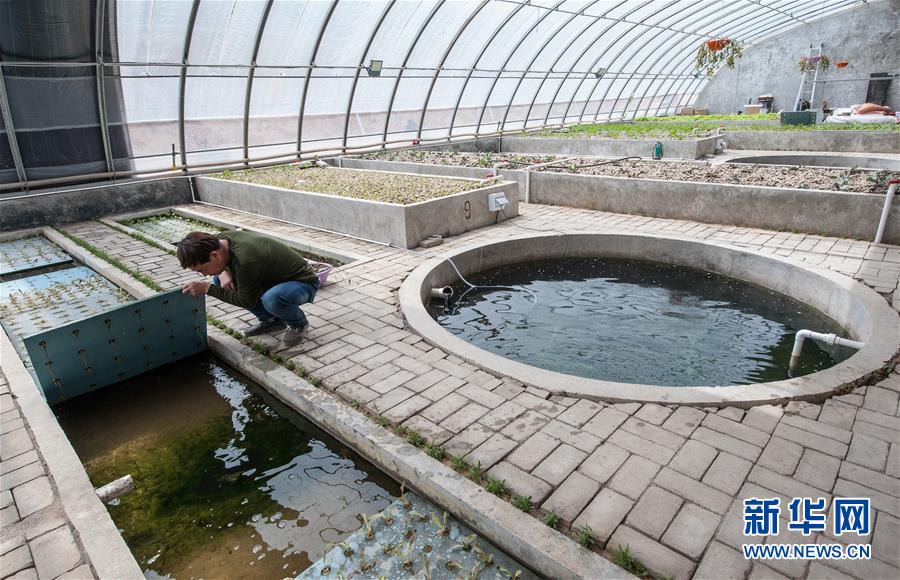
x=886, y=210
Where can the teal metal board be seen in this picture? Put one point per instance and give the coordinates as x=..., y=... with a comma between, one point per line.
x=117, y=344
x=29, y=254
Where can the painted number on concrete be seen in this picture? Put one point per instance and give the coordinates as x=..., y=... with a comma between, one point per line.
x=468, y=207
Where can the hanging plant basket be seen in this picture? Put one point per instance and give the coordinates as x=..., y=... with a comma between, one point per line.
x=842, y=63
x=717, y=44
x=809, y=64
x=712, y=54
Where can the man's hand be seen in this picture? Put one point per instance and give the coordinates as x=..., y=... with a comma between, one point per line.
x=226, y=280
x=196, y=288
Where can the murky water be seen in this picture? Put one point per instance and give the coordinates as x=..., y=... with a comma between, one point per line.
x=229, y=482
x=637, y=322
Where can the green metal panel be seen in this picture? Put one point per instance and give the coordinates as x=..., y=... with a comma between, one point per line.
x=117, y=344
x=29, y=254
x=798, y=117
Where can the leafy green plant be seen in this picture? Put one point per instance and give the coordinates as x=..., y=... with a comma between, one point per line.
x=585, y=536
x=474, y=472
x=495, y=486
x=458, y=463
x=624, y=558
x=435, y=452
x=523, y=503
x=551, y=520
x=809, y=63
x=414, y=438
x=714, y=53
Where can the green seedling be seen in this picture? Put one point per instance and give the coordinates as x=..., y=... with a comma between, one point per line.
x=495, y=486
x=443, y=528
x=551, y=520
x=474, y=472
x=415, y=439
x=511, y=575
x=488, y=559
x=523, y=503
x=403, y=499
x=586, y=536
x=458, y=463
x=370, y=533
x=624, y=558
x=435, y=452
x=465, y=544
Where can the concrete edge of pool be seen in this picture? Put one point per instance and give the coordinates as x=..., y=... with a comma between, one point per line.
x=104, y=546
x=860, y=310
x=523, y=537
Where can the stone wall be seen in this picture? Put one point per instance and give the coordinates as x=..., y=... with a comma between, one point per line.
x=867, y=36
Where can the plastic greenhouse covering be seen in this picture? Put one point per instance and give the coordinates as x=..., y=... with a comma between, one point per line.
x=105, y=88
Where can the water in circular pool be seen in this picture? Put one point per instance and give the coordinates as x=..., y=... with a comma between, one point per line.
x=634, y=321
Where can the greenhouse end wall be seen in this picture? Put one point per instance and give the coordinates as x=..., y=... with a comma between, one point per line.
x=868, y=36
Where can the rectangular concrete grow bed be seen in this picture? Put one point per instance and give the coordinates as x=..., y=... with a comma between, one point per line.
x=459, y=205
x=672, y=148
x=830, y=213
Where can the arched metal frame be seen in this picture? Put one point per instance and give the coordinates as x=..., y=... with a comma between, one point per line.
x=412, y=47
x=99, y=28
x=260, y=30
x=182, y=80
x=309, y=72
x=539, y=52
x=670, y=85
x=362, y=64
x=440, y=66
x=487, y=97
x=562, y=53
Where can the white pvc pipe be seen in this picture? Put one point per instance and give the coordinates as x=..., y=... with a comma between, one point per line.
x=802, y=335
x=886, y=210
x=114, y=489
x=444, y=293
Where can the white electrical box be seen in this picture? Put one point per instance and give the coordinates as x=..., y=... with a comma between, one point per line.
x=497, y=201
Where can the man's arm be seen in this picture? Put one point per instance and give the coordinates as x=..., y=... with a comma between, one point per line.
x=248, y=290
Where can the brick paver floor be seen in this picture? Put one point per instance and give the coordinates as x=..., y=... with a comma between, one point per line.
x=667, y=481
x=36, y=538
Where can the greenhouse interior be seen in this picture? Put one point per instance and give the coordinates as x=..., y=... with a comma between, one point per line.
x=482, y=289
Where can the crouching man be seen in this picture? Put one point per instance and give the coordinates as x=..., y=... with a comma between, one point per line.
x=255, y=272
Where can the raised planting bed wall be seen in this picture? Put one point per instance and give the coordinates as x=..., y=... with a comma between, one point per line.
x=400, y=225
x=830, y=160
x=21, y=211
x=833, y=140
x=680, y=149
x=433, y=169
x=830, y=213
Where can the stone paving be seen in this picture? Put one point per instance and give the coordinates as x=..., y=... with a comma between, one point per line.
x=36, y=539
x=666, y=481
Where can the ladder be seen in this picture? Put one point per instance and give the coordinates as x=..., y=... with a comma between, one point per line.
x=807, y=92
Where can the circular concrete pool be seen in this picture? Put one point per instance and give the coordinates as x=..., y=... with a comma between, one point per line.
x=569, y=353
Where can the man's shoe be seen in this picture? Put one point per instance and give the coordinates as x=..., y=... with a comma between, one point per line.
x=294, y=334
x=264, y=326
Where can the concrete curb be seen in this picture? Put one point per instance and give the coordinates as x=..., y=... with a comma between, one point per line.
x=539, y=547
x=105, y=549
x=105, y=269
x=867, y=316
